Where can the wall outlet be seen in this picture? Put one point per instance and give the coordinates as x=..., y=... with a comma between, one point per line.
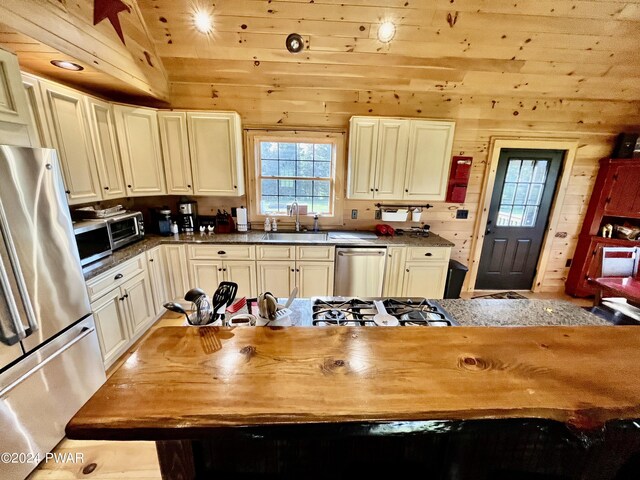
x=234, y=212
x=354, y=214
x=378, y=215
x=462, y=214
x=568, y=264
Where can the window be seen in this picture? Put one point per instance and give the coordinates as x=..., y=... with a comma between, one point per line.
x=295, y=166
x=522, y=193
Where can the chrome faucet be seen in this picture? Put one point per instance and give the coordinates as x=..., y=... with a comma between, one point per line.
x=295, y=202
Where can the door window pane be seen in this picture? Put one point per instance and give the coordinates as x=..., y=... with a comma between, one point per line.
x=530, y=216
x=526, y=171
x=503, y=215
x=508, y=193
x=522, y=193
x=535, y=194
x=517, y=215
x=513, y=171
x=540, y=171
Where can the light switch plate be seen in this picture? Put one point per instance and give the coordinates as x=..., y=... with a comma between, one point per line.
x=462, y=214
x=354, y=214
x=378, y=215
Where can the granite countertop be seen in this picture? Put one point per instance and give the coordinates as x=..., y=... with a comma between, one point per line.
x=255, y=236
x=518, y=313
x=489, y=313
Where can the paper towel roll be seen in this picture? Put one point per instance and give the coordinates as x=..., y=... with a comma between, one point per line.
x=241, y=219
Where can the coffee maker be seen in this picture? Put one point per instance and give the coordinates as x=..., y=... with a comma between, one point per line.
x=161, y=220
x=188, y=216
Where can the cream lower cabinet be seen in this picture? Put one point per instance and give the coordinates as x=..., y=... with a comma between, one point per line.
x=281, y=268
x=315, y=279
x=177, y=285
x=207, y=275
x=277, y=277
x=423, y=279
x=111, y=324
x=416, y=272
x=123, y=313
x=394, y=271
x=157, y=268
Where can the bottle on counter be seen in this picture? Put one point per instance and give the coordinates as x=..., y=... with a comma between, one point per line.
x=274, y=225
x=174, y=228
x=267, y=224
x=316, y=228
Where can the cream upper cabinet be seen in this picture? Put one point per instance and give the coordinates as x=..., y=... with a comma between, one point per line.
x=105, y=148
x=393, y=142
x=429, y=159
x=70, y=135
x=175, y=152
x=399, y=158
x=13, y=102
x=39, y=130
x=215, y=145
x=363, y=147
x=139, y=141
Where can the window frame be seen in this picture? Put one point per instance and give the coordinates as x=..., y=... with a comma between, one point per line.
x=254, y=174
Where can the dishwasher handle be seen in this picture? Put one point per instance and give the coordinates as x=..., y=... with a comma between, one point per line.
x=376, y=253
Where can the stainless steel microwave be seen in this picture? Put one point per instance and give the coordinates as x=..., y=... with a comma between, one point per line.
x=93, y=239
x=125, y=229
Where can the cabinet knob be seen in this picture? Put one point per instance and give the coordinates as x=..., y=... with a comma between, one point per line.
x=126, y=295
x=129, y=186
x=376, y=189
x=297, y=269
x=188, y=186
x=121, y=299
x=224, y=269
x=407, y=270
x=219, y=269
x=106, y=188
x=428, y=254
x=406, y=190
x=293, y=269
x=235, y=186
x=372, y=189
x=68, y=192
x=221, y=252
x=118, y=276
x=151, y=259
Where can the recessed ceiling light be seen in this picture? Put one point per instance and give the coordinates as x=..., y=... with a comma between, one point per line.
x=67, y=65
x=386, y=31
x=202, y=21
x=295, y=43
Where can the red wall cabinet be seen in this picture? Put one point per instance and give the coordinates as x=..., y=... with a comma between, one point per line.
x=615, y=198
x=459, y=179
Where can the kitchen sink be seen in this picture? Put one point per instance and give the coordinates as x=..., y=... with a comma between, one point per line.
x=295, y=237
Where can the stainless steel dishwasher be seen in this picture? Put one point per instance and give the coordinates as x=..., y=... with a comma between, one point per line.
x=359, y=271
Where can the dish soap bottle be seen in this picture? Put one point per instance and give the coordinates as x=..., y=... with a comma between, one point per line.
x=267, y=225
x=274, y=225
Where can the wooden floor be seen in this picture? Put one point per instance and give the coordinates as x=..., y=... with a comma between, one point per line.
x=138, y=460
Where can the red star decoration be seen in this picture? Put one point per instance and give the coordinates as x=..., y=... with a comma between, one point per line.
x=110, y=9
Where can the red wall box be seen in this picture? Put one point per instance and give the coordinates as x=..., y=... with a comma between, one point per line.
x=459, y=179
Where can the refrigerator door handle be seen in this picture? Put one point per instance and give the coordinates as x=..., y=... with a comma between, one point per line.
x=22, y=287
x=10, y=336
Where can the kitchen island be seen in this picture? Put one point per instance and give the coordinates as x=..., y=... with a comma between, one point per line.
x=280, y=402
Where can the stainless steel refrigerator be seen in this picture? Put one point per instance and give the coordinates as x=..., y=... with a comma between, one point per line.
x=50, y=362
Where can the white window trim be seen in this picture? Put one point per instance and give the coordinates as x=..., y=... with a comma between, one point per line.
x=253, y=173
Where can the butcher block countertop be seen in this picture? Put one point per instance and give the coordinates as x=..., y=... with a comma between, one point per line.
x=187, y=382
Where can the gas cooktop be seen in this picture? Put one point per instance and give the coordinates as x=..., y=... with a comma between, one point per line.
x=362, y=311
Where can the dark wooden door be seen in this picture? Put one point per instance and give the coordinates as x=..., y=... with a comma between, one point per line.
x=518, y=216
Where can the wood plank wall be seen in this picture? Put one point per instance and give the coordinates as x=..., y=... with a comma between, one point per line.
x=545, y=69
